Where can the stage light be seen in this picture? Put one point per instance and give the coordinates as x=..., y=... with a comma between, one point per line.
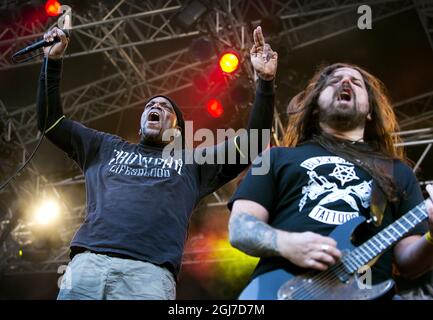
x=235, y=266
x=229, y=62
x=47, y=213
x=52, y=8
x=215, y=108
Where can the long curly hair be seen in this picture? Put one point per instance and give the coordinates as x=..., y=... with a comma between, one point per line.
x=304, y=126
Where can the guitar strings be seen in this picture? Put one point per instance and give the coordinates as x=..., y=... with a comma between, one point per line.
x=319, y=283
x=333, y=272
x=322, y=280
x=323, y=277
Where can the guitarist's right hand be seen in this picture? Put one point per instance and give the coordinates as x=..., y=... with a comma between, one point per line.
x=310, y=250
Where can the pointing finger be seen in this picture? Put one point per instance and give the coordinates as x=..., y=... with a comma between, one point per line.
x=260, y=37
x=255, y=37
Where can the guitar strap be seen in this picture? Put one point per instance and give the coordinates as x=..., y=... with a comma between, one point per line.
x=378, y=197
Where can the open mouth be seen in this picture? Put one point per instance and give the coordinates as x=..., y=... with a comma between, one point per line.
x=345, y=95
x=153, y=116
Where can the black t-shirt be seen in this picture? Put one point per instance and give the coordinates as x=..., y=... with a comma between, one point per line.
x=138, y=203
x=307, y=188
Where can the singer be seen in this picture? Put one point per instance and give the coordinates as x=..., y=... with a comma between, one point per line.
x=131, y=242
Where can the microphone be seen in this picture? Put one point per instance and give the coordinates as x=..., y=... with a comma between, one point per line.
x=39, y=44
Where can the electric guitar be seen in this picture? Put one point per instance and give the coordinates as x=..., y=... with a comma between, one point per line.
x=340, y=281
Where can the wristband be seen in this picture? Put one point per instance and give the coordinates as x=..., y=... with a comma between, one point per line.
x=429, y=238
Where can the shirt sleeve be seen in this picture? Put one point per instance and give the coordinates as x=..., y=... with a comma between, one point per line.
x=256, y=186
x=49, y=109
x=215, y=175
x=80, y=143
x=411, y=195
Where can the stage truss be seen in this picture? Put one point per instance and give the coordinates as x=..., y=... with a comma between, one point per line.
x=117, y=33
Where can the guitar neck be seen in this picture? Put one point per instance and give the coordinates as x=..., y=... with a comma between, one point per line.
x=385, y=238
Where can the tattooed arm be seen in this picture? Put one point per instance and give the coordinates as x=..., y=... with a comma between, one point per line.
x=250, y=233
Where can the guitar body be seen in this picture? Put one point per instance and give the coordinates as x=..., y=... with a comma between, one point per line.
x=279, y=284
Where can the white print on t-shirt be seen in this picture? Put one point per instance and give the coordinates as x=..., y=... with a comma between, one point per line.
x=319, y=187
x=135, y=164
x=344, y=173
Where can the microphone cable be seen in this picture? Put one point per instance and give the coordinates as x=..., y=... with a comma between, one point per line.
x=24, y=165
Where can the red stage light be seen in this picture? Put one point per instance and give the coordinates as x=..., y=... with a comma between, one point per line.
x=229, y=62
x=52, y=8
x=215, y=108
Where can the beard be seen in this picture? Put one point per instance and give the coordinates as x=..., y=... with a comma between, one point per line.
x=342, y=118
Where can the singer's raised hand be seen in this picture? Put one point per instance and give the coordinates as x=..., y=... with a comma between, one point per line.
x=263, y=59
x=59, y=48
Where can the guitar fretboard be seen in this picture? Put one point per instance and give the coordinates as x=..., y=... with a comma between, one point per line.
x=384, y=239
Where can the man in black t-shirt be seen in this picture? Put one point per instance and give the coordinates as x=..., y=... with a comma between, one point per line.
x=139, y=199
x=340, y=145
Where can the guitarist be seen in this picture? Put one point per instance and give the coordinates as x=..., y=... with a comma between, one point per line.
x=339, y=136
